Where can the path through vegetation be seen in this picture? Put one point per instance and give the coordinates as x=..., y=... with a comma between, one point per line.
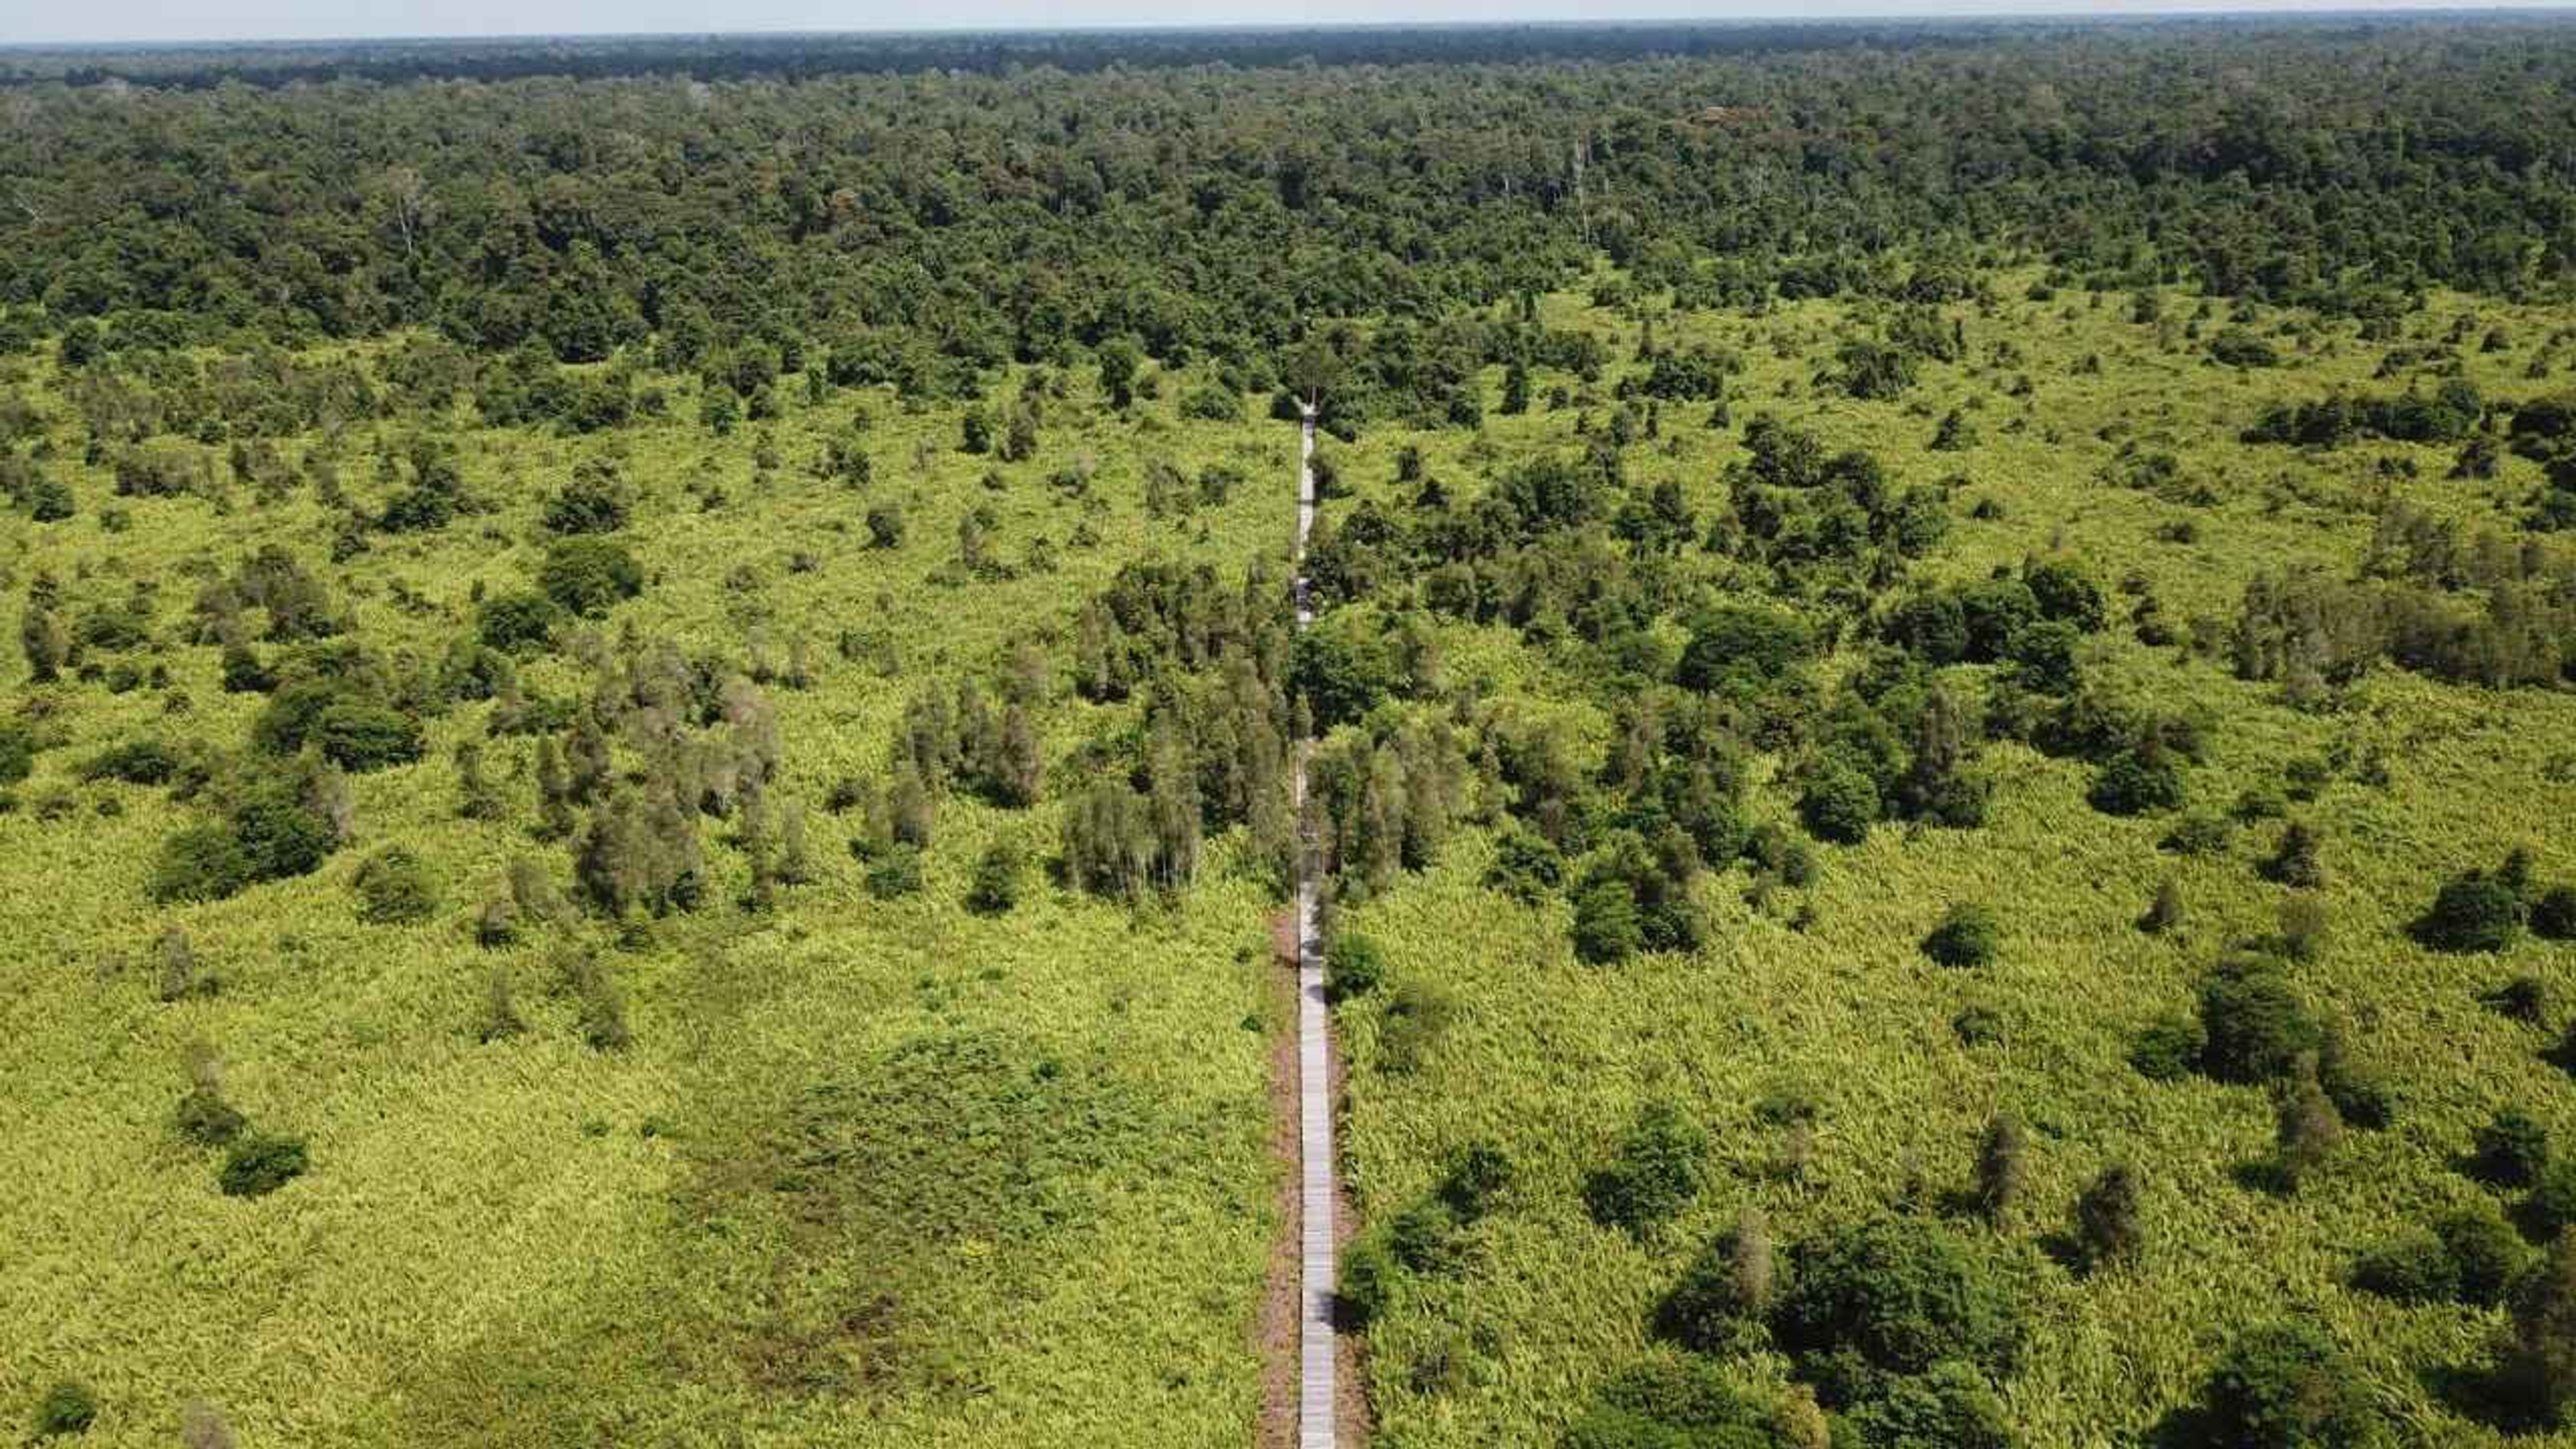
x=1317, y=1191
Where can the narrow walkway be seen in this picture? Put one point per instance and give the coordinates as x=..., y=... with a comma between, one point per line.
x=1318, y=1193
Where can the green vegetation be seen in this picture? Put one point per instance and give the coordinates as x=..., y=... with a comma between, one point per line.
x=659, y=707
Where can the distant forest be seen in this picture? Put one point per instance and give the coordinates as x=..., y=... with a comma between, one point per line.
x=923, y=207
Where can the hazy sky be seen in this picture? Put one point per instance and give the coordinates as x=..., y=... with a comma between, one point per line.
x=26, y=21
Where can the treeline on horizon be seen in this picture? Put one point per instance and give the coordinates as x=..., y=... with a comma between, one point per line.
x=198, y=65
x=933, y=225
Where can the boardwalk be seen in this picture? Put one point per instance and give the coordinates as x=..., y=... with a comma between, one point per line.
x=1318, y=1194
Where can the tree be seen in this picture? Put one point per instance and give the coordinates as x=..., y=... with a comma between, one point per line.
x=2472, y=912
x=1118, y=364
x=1606, y=929
x=2295, y=859
x=2106, y=1218
x=1724, y=1299
x=1839, y=803
x=1968, y=936
x=2164, y=913
x=204, y=1116
x=45, y=642
x=2511, y=1150
x=2000, y=1170
x=1891, y=1297
x=2289, y=1386
x=885, y=525
x=587, y=575
x=601, y=1006
x=2540, y=1365
x=1654, y=1172
x=260, y=1164
x=2307, y=1129
x=998, y=873
x=178, y=965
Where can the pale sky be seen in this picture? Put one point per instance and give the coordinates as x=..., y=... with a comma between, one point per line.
x=50, y=21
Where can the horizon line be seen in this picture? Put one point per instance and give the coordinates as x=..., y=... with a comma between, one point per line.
x=2179, y=10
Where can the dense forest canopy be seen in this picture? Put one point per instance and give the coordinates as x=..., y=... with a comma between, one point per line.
x=1209, y=206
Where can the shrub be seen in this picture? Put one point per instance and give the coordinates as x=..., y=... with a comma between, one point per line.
x=1212, y=403
x=204, y=1117
x=1744, y=647
x=2295, y=860
x=69, y=1407
x=2288, y=1386
x=201, y=1427
x=2164, y=913
x=244, y=672
x=587, y=575
x=1424, y=1237
x=2303, y=927
x=1477, y=1179
x=1354, y=966
x=1670, y=1403
x=2044, y=656
x=17, y=752
x=1606, y=928
x=135, y=762
x=359, y=736
x=200, y=863
x=1968, y=936
x=2000, y=1168
x=2524, y=999
x=1839, y=803
x=394, y=886
x=2106, y=1218
x=2197, y=834
x=1893, y=1296
x=2412, y=1267
x=2306, y=1131
x=2510, y=1150
x=600, y=1005
x=1977, y=1024
x=2169, y=1047
x=515, y=622
x=2237, y=347
x=1369, y=1272
x=998, y=876
x=2472, y=912
x=2488, y=1256
x=1416, y=1015
x=1655, y=1171
x=280, y=834
x=1951, y=1406
x=2539, y=1374
x=1724, y=1296
x=2136, y=782
x=2553, y=916
x=260, y=1164
x=2256, y=1028
x=2063, y=590
x=593, y=502
x=2357, y=1094
x=895, y=873
x=2553, y=1196
x=1526, y=866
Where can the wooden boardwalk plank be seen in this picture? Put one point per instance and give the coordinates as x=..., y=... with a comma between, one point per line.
x=1318, y=1193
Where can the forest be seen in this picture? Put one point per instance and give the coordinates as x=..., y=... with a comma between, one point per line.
x=651, y=776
